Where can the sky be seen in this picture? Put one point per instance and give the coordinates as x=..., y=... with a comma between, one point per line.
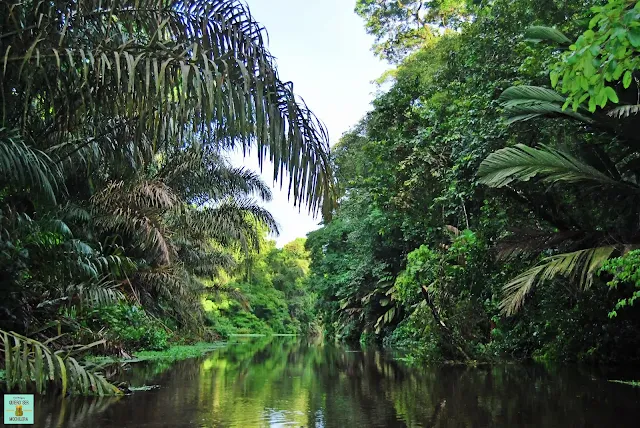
x=322, y=47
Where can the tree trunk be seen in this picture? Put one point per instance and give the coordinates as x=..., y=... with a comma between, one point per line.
x=436, y=316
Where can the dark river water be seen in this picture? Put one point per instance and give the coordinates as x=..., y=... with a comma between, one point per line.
x=288, y=382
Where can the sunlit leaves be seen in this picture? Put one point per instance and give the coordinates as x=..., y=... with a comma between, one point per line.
x=403, y=27
x=600, y=57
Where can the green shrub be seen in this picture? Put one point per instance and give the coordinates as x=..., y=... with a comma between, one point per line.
x=223, y=326
x=415, y=336
x=128, y=326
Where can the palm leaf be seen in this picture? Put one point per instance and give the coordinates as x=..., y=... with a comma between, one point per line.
x=538, y=33
x=203, y=176
x=172, y=68
x=231, y=221
x=24, y=167
x=522, y=103
x=525, y=92
x=135, y=211
x=530, y=241
x=31, y=366
x=521, y=163
x=624, y=111
x=580, y=265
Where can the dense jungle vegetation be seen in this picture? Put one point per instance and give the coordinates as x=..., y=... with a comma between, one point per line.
x=488, y=204
x=486, y=208
x=119, y=210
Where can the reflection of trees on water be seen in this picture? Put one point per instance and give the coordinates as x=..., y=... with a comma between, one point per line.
x=276, y=380
x=56, y=412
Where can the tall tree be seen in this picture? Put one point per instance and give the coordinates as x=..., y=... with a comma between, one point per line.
x=84, y=77
x=114, y=116
x=401, y=27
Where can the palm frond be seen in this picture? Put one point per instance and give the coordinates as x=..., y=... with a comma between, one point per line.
x=71, y=212
x=92, y=293
x=203, y=259
x=97, y=293
x=624, y=111
x=203, y=176
x=255, y=211
x=136, y=211
x=26, y=168
x=177, y=286
x=538, y=33
x=522, y=103
x=176, y=68
x=525, y=92
x=521, y=163
x=144, y=196
x=579, y=265
x=243, y=182
x=146, y=232
x=31, y=366
x=530, y=241
x=230, y=222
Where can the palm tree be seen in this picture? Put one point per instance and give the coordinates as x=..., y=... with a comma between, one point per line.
x=95, y=94
x=578, y=243
x=88, y=77
x=114, y=118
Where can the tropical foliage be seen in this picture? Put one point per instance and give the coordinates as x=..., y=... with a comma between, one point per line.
x=267, y=293
x=118, y=206
x=30, y=365
x=492, y=192
x=402, y=26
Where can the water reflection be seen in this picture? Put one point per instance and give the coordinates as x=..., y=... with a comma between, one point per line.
x=282, y=381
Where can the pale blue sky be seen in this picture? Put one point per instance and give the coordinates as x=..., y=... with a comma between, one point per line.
x=322, y=47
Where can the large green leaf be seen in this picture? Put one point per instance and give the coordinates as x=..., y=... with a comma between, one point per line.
x=524, y=102
x=538, y=33
x=26, y=168
x=163, y=69
x=580, y=265
x=521, y=163
x=31, y=366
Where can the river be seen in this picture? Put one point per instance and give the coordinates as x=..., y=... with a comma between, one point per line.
x=288, y=382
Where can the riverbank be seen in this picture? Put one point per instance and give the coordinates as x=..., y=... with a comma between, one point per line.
x=173, y=353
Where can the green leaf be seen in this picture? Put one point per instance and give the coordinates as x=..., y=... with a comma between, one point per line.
x=611, y=94
x=626, y=80
x=618, y=71
x=30, y=362
x=539, y=33
x=580, y=265
x=634, y=37
x=522, y=163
